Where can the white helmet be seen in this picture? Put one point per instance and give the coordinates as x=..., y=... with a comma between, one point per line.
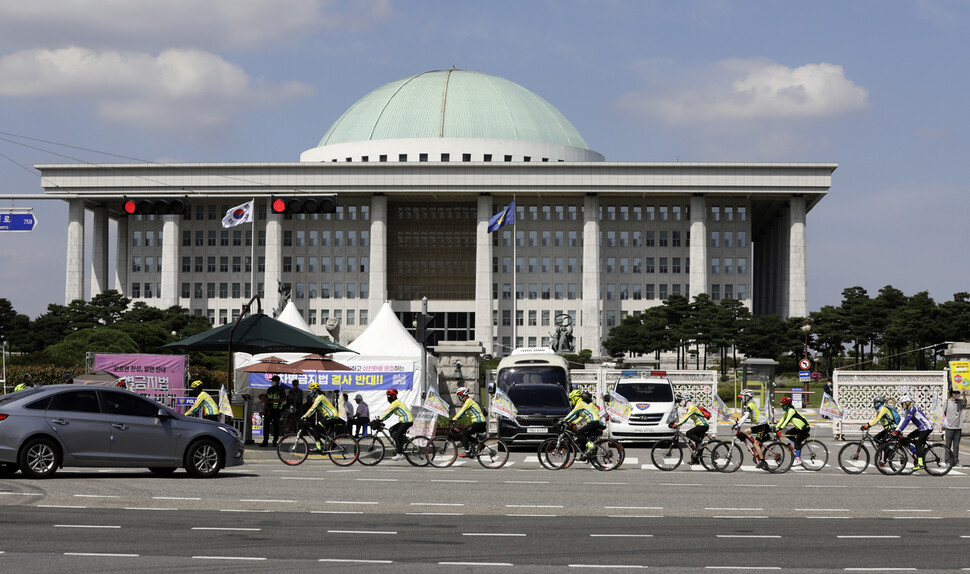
x=747, y=395
x=462, y=391
x=905, y=399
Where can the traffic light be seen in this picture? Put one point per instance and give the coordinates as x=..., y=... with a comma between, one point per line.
x=158, y=206
x=422, y=328
x=305, y=204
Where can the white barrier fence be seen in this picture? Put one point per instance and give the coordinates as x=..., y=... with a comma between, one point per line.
x=854, y=391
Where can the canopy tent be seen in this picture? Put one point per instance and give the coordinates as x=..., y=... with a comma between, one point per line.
x=257, y=333
x=292, y=317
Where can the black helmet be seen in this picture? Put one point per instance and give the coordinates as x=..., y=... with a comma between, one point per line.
x=586, y=396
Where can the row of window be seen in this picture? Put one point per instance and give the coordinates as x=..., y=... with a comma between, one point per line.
x=445, y=157
x=213, y=212
x=726, y=265
x=617, y=239
x=236, y=290
x=727, y=213
x=611, y=291
x=351, y=317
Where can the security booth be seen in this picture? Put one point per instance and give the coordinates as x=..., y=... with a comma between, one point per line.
x=759, y=376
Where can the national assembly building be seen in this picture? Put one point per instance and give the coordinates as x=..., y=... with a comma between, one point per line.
x=394, y=204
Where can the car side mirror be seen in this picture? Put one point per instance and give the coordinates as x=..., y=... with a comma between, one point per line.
x=163, y=415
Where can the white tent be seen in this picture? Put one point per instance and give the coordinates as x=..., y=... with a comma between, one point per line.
x=386, y=339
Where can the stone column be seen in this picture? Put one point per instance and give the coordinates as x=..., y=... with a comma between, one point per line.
x=483, y=275
x=122, y=264
x=698, y=246
x=74, y=283
x=273, y=252
x=99, y=252
x=589, y=335
x=171, y=230
x=378, y=255
x=797, y=300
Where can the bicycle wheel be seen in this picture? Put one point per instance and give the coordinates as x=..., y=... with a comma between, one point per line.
x=937, y=459
x=891, y=458
x=726, y=456
x=442, y=452
x=706, y=456
x=854, y=458
x=493, y=453
x=778, y=459
x=608, y=454
x=371, y=450
x=343, y=450
x=416, y=450
x=666, y=455
x=554, y=454
x=293, y=449
x=815, y=455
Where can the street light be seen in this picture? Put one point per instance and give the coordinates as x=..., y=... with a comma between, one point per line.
x=806, y=328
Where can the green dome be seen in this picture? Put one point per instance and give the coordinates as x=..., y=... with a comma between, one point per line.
x=453, y=104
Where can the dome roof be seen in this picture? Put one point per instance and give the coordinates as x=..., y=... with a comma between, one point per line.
x=453, y=104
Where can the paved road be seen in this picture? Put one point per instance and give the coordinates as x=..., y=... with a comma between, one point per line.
x=396, y=518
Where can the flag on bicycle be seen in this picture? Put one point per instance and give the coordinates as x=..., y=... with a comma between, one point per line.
x=434, y=403
x=619, y=408
x=720, y=409
x=829, y=408
x=224, y=407
x=503, y=406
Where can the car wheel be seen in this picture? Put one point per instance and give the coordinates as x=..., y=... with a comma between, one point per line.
x=162, y=470
x=203, y=459
x=40, y=458
x=8, y=469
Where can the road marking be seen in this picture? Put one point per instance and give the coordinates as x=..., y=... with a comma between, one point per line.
x=897, y=487
x=526, y=482
x=607, y=483
x=867, y=536
x=634, y=516
x=58, y=506
x=491, y=534
x=301, y=478
x=148, y=508
x=242, y=510
x=748, y=536
x=906, y=510
x=355, y=561
x=740, y=509
x=533, y=506
x=386, y=532
x=606, y=566
x=450, y=480
x=475, y=564
x=743, y=567
x=828, y=517
x=826, y=486
x=682, y=484
x=228, y=558
x=533, y=515
x=757, y=485
x=349, y=502
x=437, y=504
x=377, y=479
x=336, y=512
x=22, y=493
x=101, y=554
x=85, y=526
x=634, y=507
x=434, y=513
x=880, y=569
x=265, y=500
x=820, y=509
x=744, y=517
x=231, y=529
x=176, y=498
x=621, y=535
x=917, y=518
x=96, y=496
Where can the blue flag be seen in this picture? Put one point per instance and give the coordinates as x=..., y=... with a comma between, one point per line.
x=502, y=218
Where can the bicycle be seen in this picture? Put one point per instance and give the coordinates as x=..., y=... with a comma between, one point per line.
x=372, y=449
x=559, y=452
x=727, y=456
x=294, y=448
x=442, y=451
x=937, y=459
x=814, y=454
x=854, y=457
x=667, y=454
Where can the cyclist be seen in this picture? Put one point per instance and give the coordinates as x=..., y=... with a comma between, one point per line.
x=696, y=434
x=204, y=405
x=473, y=412
x=800, y=428
x=586, y=419
x=324, y=412
x=883, y=417
x=757, y=429
x=405, y=420
x=912, y=413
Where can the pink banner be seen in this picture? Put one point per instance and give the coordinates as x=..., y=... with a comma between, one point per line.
x=161, y=377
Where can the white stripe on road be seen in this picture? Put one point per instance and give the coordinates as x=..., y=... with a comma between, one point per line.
x=228, y=558
x=377, y=479
x=265, y=500
x=96, y=496
x=606, y=566
x=737, y=509
x=748, y=536
x=58, y=506
x=533, y=506
x=348, y=502
x=355, y=561
x=743, y=567
x=880, y=569
x=490, y=534
x=621, y=535
x=533, y=515
x=437, y=504
x=434, y=513
x=450, y=480
x=634, y=507
x=148, y=508
x=820, y=509
x=475, y=564
x=386, y=532
x=241, y=510
x=24, y=493
x=176, y=498
x=526, y=482
x=866, y=536
x=231, y=529
x=84, y=526
x=336, y=512
x=906, y=510
x=634, y=516
x=101, y=554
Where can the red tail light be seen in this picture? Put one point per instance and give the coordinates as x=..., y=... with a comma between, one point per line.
x=3, y=416
x=658, y=373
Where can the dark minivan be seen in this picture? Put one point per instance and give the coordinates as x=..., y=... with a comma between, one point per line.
x=536, y=381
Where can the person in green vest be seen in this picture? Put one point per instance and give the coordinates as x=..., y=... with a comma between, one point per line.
x=204, y=407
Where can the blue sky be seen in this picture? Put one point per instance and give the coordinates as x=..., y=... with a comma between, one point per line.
x=879, y=87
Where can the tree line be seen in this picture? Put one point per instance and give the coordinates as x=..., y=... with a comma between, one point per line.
x=890, y=331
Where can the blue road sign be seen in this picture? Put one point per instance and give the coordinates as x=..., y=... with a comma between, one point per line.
x=17, y=221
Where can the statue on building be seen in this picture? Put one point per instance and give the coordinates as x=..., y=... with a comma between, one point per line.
x=333, y=327
x=284, y=290
x=562, y=338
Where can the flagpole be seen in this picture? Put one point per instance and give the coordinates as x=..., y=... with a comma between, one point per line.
x=515, y=292
x=252, y=255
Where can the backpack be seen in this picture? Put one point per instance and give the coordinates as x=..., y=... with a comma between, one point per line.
x=894, y=413
x=705, y=412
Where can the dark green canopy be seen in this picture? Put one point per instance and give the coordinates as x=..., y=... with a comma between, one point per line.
x=258, y=334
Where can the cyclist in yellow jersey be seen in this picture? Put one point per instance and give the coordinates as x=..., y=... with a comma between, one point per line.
x=800, y=431
x=586, y=419
x=204, y=407
x=883, y=417
x=404, y=422
x=696, y=434
x=472, y=412
x=750, y=411
x=324, y=412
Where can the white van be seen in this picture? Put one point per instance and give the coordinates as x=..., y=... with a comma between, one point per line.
x=536, y=380
x=652, y=397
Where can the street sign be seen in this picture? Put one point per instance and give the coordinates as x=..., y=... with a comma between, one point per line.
x=17, y=222
x=805, y=364
x=804, y=376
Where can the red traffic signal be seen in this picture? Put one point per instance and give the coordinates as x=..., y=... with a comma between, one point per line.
x=158, y=206
x=304, y=204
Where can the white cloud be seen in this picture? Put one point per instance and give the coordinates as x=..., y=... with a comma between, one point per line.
x=748, y=90
x=157, y=24
x=177, y=90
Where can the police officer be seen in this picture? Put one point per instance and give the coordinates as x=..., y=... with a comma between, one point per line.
x=275, y=399
x=204, y=407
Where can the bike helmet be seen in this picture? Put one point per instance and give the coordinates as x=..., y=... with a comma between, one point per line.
x=391, y=393
x=586, y=396
x=785, y=401
x=575, y=396
x=687, y=396
x=462, y=392
x=747, y=395
x=878, y=401
x=314, y=386
x=905, y=399
x=196, y=384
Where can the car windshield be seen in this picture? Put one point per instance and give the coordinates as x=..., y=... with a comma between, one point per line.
x=20, y=394
x=539, y=396
x=531, y=375
x=646, y=392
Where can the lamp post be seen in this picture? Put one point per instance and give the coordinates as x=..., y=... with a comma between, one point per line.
x=3, y=354
x=806, y=328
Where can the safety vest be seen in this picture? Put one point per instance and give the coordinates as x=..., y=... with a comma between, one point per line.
x=401, y=410
x=470, y=410
x=275, y=398
x=323, y=407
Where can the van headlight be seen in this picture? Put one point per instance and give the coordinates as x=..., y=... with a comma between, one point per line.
x=231, y=431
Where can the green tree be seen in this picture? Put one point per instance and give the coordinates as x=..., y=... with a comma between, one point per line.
x=72, y=350
x=14, y=327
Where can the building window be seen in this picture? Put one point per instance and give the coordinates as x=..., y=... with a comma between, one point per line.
x=715, y=265
x=224, y=265
x=210, y=290
x=650, y=239
x=742, y=239
x=742, y=291
x=649, y=268
x=742, y=268
x=663, y=265
x=715, y=239
x=663, y=239
x=136, y=290
x=715, y=292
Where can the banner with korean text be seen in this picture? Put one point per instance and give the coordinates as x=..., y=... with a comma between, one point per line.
x=829, y=408
x=366, y=376
x=960, y=375
x=161, y=377
x=619, y=408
